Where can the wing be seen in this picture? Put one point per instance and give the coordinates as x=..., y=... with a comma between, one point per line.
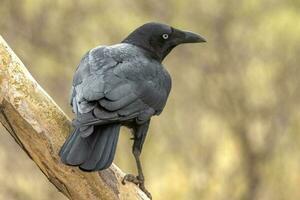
x=108, y=89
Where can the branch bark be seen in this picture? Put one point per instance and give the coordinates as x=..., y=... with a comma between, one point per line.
x=39, y=126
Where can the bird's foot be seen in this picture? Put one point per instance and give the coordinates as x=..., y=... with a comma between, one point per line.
x=138, y=181
x=130, y=178
x=142, y=187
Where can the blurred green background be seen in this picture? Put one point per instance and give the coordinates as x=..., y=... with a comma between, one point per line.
x=230, y=129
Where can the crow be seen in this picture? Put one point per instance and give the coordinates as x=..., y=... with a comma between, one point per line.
x=120, y=85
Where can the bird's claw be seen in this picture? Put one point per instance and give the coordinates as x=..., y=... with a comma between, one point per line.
x=130, y=178
x=142, y=187
x=138, y=181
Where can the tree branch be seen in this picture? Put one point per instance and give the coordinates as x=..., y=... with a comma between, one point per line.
x=39, y=126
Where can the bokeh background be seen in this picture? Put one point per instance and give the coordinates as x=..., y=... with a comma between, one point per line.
x=230, y=129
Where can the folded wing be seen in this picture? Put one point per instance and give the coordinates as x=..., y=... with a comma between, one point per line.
x=106, y=90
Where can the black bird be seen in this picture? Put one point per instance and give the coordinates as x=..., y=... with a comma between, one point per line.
x=123, y=84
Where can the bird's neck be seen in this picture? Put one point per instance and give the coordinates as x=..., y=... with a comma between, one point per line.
x=148, y=50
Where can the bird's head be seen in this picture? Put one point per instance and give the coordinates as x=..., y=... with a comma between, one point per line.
x=159, y=39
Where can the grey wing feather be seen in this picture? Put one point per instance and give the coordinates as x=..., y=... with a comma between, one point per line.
x=106, y=90
x=118, y=104
x=119, y=91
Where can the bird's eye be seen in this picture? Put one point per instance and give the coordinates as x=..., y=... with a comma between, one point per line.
x=165, y=36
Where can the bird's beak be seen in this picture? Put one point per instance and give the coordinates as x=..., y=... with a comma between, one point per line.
x=190, y=37
x=187, y=37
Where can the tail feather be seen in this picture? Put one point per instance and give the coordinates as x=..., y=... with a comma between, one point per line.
x=112, y=153
x=76, y=149
x=95, y=152
x=105, y=160
x=67, y=142
x=98, y=150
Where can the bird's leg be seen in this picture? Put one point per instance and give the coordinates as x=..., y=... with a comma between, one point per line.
x=139, y=138
x=140, y=176
x=139, y=179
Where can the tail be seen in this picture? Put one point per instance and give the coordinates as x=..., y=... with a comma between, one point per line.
x=93, y=151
